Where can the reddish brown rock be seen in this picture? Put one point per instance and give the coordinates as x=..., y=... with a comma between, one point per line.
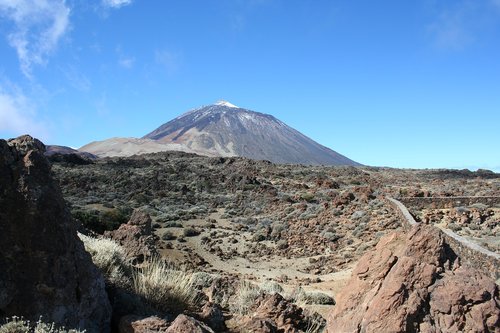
x=272, y=313
x=415, y=283
x=186, y=324
x=136, y=237
x=136, y=324
x=44, y=269
x=212, y=315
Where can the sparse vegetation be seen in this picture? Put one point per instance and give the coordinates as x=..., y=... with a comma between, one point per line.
x=300, y=296
x=246, y=294
x=20, y=325
x=190, y=232
x=168, y=235
x=163, y=287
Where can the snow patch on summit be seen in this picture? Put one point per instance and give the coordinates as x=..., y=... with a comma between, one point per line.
x=225, y=103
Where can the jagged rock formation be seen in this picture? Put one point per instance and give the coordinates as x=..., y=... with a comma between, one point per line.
x=223, y=129
x=44, y=269
x=416, y=283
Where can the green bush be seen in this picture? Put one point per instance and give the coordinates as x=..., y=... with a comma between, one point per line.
x=101, y=221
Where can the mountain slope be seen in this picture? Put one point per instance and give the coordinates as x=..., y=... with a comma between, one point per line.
x=123, y=147
x=226, y=130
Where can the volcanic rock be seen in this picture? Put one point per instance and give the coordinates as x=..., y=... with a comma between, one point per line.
x=136, y=324
x=44, y=269
x=212, y=315
x=272, y=313
x=416, y=283
x=186, y=324
x=136, y=237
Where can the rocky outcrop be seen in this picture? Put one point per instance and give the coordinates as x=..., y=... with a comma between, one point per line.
x=186, y=324
x=273, y=313
x=44, y=269
x=416, y=283
x=136, y=237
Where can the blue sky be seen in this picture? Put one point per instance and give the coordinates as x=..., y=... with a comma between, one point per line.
x=393, y=83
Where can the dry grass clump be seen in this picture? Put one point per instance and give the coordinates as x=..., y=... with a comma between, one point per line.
x=163, y=287
x=158, y=284
x=302, y=297
x=20, y=325
x=246, y=294
x=315, y=324
x=110, y=258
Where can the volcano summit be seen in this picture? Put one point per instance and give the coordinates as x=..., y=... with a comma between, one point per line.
x=224, y=129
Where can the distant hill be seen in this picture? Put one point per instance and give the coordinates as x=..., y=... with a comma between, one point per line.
x=63, y=150
x=223, y=129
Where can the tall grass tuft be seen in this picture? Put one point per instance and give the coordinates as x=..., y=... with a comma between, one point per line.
x=246, y=295
x=163, y=287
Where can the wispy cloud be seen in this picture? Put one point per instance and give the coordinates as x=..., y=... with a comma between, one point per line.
x=76, y=78
x=126, y=62
x=18, y=115
x=38, y=27
x=168, y=60
x=116, y=3
x=458, y=24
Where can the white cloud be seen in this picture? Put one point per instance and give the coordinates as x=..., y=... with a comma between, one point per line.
x=126, y=62
x=38, y=27
x=116, y=3
x=18, y=116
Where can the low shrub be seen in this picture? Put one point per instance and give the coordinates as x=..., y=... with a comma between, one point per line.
x=168, y=235
x=172, y=224
x=203, y=279
x=300, y=296
x=190, y=232
x=20, y=325
x=272, y=287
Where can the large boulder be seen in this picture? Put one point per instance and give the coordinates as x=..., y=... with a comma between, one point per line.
x=416, y=283
x=136, y=237
x=44, y=269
